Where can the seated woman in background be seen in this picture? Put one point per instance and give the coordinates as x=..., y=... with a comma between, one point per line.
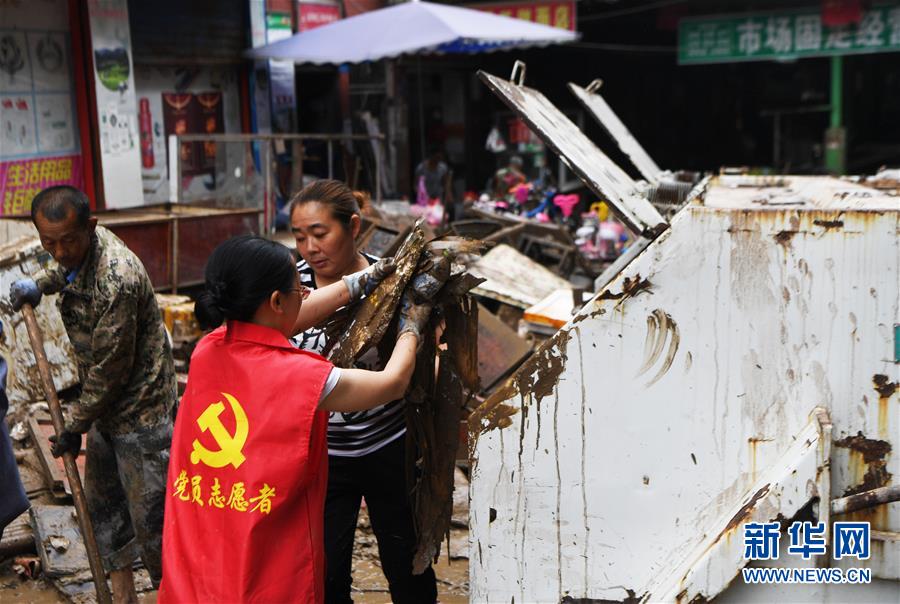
x=248, y=467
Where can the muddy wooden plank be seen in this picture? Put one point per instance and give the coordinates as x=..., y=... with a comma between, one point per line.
x=41, y=429
x=58, y=540
x=515, y=279
x=500, y=349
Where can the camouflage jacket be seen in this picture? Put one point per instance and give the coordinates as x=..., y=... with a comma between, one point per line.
x=115, y=326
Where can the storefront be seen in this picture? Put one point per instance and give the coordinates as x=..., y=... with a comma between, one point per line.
x=40, y=141
x=90, y=91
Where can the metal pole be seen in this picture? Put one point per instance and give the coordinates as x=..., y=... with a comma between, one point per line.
x=270, y=193
x=84, y=518
x=835, y=136
x=378, y=160
x=867, y=499
x=837, y=87
x=175, y=253
x=421, y=111
x=330, y=159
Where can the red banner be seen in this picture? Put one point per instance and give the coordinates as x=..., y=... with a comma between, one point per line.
x=316, y=15
x=21, y=180
x=555, y=14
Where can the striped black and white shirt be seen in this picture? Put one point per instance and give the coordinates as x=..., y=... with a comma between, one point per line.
x=362, y=432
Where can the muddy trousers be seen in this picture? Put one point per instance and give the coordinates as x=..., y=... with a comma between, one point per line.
x=380, y=478
x=125, y=488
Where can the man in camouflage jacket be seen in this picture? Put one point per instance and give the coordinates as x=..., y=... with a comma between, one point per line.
x=128, y=387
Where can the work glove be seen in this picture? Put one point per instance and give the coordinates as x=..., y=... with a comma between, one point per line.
x=24, y=291
x=413, y=315
x=364, y=282
x=66, y=442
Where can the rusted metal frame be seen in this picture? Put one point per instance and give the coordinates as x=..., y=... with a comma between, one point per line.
x=868, y=499
x=597, y=106
x=641, y=243
x=597, y=171
x=781, y=491
x=822, y=506
x=84, y=518
x=634, y=250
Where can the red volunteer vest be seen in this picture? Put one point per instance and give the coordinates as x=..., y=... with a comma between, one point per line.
x=247, y=473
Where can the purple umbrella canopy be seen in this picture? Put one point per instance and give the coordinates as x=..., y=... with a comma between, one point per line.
x=411, y=28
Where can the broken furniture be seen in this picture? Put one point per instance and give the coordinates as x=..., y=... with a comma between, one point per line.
x=737, y=366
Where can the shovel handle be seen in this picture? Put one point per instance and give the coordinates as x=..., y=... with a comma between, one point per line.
x=84, y=518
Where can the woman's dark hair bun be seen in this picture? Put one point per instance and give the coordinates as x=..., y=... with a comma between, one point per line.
x=241, y=274
x=207, y=311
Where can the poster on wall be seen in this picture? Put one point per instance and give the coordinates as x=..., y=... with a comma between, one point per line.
x=200, y=113
x=120, y=153
x=281, y=75
x=39, y=144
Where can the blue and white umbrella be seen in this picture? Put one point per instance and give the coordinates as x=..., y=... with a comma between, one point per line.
x=411, y=28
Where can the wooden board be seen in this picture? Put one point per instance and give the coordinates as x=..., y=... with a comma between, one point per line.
x=500, y=349
x=41, y=429
x=515, y=279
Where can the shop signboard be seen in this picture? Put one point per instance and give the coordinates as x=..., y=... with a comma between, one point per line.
x=785, y=35
x=39, y=144
x=120, y=149
x=559, y=14
x=281, y=75
x=313, y=15
x=21, y=180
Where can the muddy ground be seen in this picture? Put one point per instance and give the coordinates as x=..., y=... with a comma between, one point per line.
x=369, y=584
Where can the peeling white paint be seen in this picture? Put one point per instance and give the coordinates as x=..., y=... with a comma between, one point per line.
x=765, y=337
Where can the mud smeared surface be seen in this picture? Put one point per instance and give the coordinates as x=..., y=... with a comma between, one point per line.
x=536, y=377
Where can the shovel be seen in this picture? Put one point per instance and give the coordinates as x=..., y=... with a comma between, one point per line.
x=84, y=519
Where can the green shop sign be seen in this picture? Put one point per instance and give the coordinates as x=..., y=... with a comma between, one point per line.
x=785, y=35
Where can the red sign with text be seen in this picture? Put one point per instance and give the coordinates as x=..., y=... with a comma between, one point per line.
x=555, y=14
x=317, y=15
x=21, y=180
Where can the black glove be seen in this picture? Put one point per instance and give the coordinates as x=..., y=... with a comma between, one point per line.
x=24, y=291
x=364, y=282
x=413, y=316
x=66, y=442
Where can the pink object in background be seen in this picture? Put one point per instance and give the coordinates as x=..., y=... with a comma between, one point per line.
x=520, y=192
x=421, y=192
x=566, y=203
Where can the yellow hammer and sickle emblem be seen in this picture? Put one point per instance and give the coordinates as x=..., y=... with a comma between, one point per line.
x=229, y=446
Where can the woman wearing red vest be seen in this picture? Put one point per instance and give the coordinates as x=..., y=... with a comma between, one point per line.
x=248, y=467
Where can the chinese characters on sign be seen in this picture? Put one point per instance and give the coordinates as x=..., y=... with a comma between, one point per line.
x=849, y=540
x=20, y=181
x=555, y=14
x=785, y=36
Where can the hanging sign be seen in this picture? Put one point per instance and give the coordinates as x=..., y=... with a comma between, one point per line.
x=21, y=180
x=785, y=35
x=555, y=14
x=317, y=15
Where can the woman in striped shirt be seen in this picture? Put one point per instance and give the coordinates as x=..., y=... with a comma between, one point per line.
x=366, y=450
